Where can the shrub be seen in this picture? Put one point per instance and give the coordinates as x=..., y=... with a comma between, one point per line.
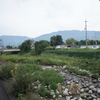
x=49, y=76
x=21, y=85
x=43, y=92
x=36, y=76
x=5, y=72
x=53, y=86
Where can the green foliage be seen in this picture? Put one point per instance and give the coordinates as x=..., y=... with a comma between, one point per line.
x=53, y=86
x=40, y=46
x=49, y=76
x=9, y=47
x=83, y=53
x=36, y=76
x=74, y=70
x=56, y=40
x=43, y=92
x=21, y=84
x=25, y=46
x=5, y=71
x=70, y=41
x=30, y=96
x=20, y=97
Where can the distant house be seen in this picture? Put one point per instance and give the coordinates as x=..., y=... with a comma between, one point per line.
x=61, y=46
x=91, y=46
x=72, y=45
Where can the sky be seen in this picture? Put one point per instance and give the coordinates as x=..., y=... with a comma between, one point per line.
x=33, y=18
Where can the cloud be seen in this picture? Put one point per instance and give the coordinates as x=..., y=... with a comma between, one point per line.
x=36, y=17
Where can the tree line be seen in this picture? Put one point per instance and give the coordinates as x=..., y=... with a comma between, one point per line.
x=54, y=41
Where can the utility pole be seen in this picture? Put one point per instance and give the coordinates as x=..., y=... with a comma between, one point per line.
x=86, y=31
x=95, y=39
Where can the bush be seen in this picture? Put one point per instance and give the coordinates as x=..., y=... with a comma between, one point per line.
x=21, y=85
x=5, y=72
x=43, y=92
x=49, y=76
x=53, y=86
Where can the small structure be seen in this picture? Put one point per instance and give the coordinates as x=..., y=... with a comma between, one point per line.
x=91, y=46
x=61, y=46
x=1, y=47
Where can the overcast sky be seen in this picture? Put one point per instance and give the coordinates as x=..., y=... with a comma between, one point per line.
x=33, y=18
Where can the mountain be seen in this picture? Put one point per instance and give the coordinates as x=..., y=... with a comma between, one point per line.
x=13, y=40
x=76, y=34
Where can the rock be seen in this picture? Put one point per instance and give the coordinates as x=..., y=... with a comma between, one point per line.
x=94, y=89
x=64, y=66
x=98, y=79
x=65, y=93
x=35, y=87
x=98, y=85
x=98, y=90
x=87, y=85
x=90, y=91
x=86, y=89
x=93, y=96
x=68, y=83
x=60, y=96
x=98, y=98
x=94, y=81
x=68, y=98
x=80, y=99
x=91, y=87
x=54, y=96
x=52, y=93
x=66, y=71
x=82, y=90
x=63, y=87
x=57, y=92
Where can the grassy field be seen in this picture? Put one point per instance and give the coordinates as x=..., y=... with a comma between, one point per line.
x=45, y=58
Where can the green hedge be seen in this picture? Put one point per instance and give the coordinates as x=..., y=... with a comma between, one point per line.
x=87, y=53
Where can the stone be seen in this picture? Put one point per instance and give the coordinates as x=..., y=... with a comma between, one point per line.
x=60, y=96
x=82, y=90
x=68, y=98
x=90, y=91
x=98, y=79
x=91, y=87
x=94, y=81
x=86, y=89
x=52, y=93
x=35, y=87
x=80, y=99
x=68, y=83
x=87, y=85
x=98, y=85
x=94, y=89
x=98, y=90
x=63, y=87
x=93, y=96
x=65, y=93
x=54, y=96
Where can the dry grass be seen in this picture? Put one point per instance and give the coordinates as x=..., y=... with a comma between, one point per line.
x=73, y=88
x=59, y=88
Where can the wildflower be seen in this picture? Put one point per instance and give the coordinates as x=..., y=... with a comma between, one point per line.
x=11, y=70
x=15, y=67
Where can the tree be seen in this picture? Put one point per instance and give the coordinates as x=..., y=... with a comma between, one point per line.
x=25, y=46
x=56, y=40
x=9, y=47
x=70, y=41
x=40, y=46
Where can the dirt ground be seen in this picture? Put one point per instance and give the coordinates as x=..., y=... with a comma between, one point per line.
x=7, y=85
